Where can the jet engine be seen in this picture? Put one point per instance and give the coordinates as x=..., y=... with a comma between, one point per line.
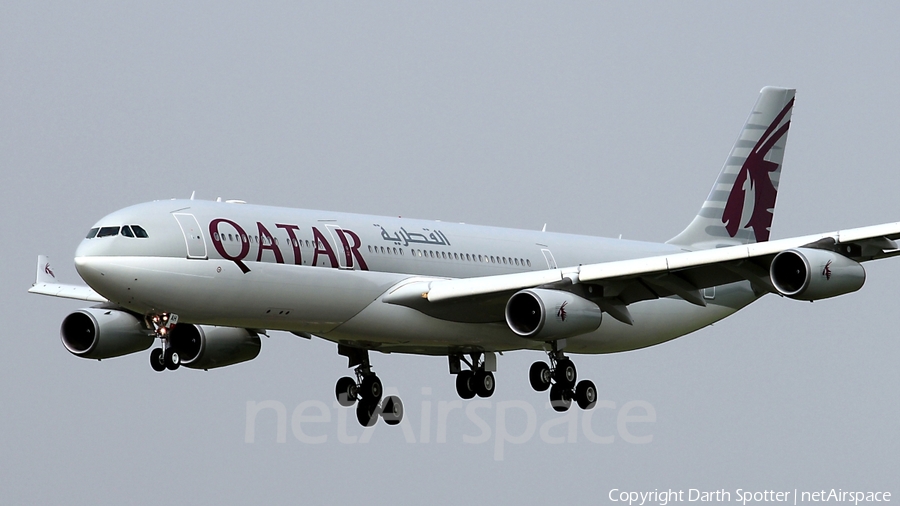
x=548, y=315
x=104, y=333
x=812, y=274
x=207, y=347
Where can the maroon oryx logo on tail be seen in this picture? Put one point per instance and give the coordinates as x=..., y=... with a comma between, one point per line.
x=758, y=169
x=48, y=271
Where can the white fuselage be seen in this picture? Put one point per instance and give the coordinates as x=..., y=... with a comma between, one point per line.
x=325, y=273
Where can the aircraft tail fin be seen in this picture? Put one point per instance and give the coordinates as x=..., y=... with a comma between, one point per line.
x=741, y=204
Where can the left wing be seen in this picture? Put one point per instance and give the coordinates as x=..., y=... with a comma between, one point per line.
x=624, y=282
x=45, y=283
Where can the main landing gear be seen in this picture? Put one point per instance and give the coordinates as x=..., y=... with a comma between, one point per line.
x=164, y=357
x=560, y=378
x=478, y=379
x=366, y=391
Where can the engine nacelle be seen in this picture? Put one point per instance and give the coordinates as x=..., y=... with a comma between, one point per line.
x=812, y=274
x=104, y=333
x=207, y=347
x=548, y=315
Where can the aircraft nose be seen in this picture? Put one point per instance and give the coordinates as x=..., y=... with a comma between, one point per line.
x=89, y=269
x=92, y=248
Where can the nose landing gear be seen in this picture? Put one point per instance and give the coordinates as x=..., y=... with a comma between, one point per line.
x=560, y=377
x=366, y=392
x=164, y=357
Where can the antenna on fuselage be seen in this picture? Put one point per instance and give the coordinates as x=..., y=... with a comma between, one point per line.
x=193, y=193
x=544, y=228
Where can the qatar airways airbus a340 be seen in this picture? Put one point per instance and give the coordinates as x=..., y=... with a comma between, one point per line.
x=207, y=278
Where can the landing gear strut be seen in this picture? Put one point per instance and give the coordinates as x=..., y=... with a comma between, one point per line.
x=164, y=357
x=478, y=379
x=366, y=391
x=560, y=377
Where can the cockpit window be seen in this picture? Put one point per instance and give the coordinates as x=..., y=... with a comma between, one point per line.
x=127, y=231
x=108, y=231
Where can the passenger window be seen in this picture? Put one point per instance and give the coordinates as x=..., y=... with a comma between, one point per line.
x=529, y=262
x=108, y=231
x=126, y=231
x=92, y=233
x=139, y=232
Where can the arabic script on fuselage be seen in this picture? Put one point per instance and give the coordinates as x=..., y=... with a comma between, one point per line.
x=405, y=238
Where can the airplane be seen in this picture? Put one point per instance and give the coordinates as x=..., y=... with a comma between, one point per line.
x=208, y=278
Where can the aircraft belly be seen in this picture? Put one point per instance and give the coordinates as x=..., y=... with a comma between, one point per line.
x=393, y=328
x=390, y=327
x=655, y=322
x=661, y=320
x=270, y=296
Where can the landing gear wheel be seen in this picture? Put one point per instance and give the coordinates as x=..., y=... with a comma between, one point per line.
x=539, y=374
x=345, y=391
x=464, y=381
x=392, y=410
x=171, y=358
x=370, y=389
x=586, y=394
x=565, y=373
x=156, y=360
x=484, y=383
x=366, y=412
x=560, y=398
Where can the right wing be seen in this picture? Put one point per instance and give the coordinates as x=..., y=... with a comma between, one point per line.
x=45, y=283
x=624, y=282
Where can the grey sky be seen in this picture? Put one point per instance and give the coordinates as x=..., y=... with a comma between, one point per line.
x=595, y=119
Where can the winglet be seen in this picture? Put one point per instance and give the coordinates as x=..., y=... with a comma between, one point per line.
x=46, y=283
x=44, y=271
